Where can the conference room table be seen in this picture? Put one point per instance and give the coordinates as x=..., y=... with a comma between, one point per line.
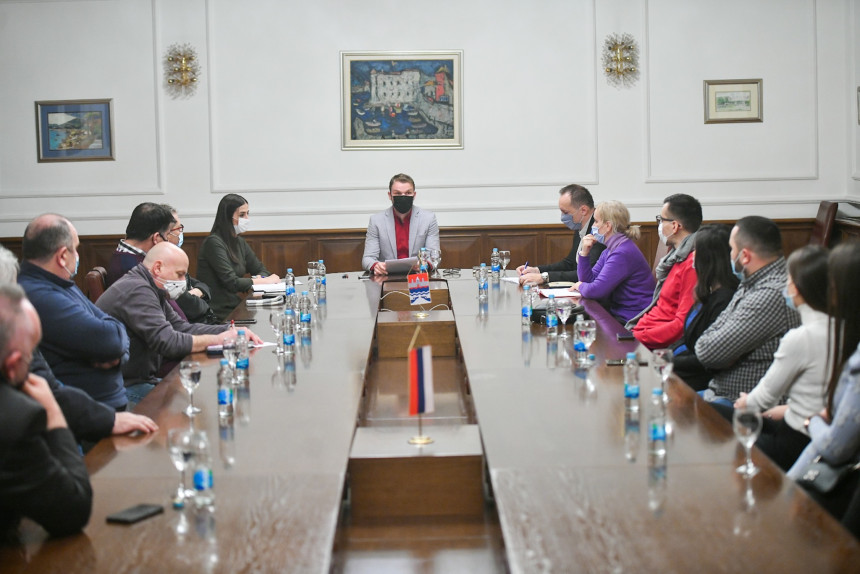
x=572, y=485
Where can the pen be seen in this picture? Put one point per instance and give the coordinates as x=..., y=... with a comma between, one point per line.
x=526, y=266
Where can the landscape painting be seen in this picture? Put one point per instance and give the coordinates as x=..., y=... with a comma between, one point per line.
x=733, y=101
x=74, y=130
x=401, y=100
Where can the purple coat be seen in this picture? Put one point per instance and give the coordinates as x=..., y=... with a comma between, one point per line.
x=621, y=275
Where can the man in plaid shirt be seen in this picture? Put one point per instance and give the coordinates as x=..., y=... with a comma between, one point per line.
x=740, y=344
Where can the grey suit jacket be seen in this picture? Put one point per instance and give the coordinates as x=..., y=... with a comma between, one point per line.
x=381, y=243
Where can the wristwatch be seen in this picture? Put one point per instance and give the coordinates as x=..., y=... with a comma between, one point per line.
x=544, y=277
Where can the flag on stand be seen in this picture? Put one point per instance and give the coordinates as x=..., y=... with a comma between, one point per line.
x=421, y=380
x=419, y=288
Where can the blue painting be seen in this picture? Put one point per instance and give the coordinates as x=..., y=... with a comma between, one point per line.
x=402, y=101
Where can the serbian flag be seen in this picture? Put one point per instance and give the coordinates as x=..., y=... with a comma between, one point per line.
x=420, y=380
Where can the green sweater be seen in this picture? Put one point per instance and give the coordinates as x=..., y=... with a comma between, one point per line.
x=224, y=276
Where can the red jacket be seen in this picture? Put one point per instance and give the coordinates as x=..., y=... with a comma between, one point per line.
x=664, y=323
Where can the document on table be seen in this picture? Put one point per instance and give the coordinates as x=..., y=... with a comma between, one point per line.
x=514, y=280
x=272, y=287
x=563, y=292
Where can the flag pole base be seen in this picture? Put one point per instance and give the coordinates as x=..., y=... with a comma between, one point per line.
x=420, y=440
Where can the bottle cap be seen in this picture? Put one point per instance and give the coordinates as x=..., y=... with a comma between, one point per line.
x=551, y=296
x=224, y=362
x=304, y=293
x=579, y=346
x=657, y=391
x=495, y=249
x=241, y=332
x=631, y=355
x=526, y=287
x=591, y=357
x=483, y=264
x=289, y=269
x=321, y=260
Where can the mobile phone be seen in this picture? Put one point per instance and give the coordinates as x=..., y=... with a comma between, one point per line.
x=625, y=336
x=135, y=514
x=615, y=362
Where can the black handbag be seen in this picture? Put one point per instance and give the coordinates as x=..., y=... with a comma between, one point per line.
x=539, y=313
x=822, y=477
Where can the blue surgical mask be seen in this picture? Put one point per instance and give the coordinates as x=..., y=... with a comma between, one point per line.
x=598, y=236
x=739, y=274
x=568, y=221
x=789, y=300
x=181, y=239
x=77, y=265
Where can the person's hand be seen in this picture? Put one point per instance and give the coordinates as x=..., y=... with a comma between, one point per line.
x=37, y=388
x=522, y=270
x=196, y=292
x=272, y=279
x=379, y=268
x=776, y=413
x=106, y=365
x=252, y=337
x=741, y=402
x=531, y=279
x=586, y=244
x=126, y=422
x=575, y=286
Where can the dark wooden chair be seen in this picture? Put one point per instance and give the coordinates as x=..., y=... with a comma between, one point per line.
x=94, y=283
x=822, y=229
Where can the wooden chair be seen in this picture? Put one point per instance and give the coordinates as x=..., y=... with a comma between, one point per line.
x=822, y=229
x=94, y=283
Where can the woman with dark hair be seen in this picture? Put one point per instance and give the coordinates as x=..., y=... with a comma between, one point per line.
x=835, y=431
x=225, y=258
x=800, y=365
x=714, y=289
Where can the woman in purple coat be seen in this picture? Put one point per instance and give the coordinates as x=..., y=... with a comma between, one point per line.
x=621, y=276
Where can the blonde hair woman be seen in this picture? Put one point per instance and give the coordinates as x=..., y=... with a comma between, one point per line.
x=621, y=277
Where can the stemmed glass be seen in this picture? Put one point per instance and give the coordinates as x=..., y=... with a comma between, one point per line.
x=313, y=268
x=663, y=366
x=747, y=424
x=563, y=310
x=180, y=447
x=435, y=257
x=586, y=331
x=277, y=320
x=189, y=374
x=505, y=257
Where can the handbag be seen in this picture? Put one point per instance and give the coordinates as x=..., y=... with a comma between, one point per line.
x=539, y=313
x=822, y=477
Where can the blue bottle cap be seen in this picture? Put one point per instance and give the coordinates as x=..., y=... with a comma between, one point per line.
x=631, y=356
x=657, y=392
x=224, y=362
x=591, y=357
x=241, y=332
x=289, y=269
x=526, y=287
x=579, y=346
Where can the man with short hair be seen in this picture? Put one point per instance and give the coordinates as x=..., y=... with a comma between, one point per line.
x=83, y=345
x=662, y=322
x=401, y=230
x=577, y=214
x=740, y=344
x=140, y=299
x=149, y=224
x=42, y=474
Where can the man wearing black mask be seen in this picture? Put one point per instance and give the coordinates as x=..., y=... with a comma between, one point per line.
x=401, y=230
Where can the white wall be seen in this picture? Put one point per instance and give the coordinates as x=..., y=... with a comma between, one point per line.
x=537, y=111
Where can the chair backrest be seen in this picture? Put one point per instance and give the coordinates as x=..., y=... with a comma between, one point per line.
x=822, y=229
x=94, y=282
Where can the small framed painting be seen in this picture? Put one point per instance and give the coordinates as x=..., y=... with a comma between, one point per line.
x=74, y=130
x=733, y=101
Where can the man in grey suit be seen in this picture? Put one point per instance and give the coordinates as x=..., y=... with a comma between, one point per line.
x=401, y=230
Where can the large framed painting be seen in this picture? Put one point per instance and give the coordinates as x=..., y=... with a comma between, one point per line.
x=401, y=100
x=74, y=130
x=733, y=101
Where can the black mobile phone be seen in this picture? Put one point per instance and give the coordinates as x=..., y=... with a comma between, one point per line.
x=135, y=513
x=625, y=336
x=615, y=362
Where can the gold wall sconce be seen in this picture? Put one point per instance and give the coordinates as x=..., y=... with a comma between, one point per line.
x=621, y=60
x=181, y=70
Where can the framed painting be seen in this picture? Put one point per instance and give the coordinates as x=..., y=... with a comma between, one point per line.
x=74, y=130
x=733, y=101
x=401, y=100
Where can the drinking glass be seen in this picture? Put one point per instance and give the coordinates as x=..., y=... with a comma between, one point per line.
x=663, y=366
x=435, y=257
x=230, y=352
x=747, y=424
x=586, y=332
x=505, y=257
x=563, y=310
x=180, y=447
x=189, y=374
x=277, y=319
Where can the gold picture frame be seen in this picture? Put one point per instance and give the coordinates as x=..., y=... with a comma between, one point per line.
x=733, y=101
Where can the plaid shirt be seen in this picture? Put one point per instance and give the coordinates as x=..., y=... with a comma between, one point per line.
x=741, y=342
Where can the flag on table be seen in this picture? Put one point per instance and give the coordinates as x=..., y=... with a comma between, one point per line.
x=419, y=288
x=421, y=380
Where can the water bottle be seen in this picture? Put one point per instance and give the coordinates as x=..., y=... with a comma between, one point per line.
x=321, y=280
x=423, y=257
x=227, y=440
x=290, y=289
x=226, y=398
x=289, y=334
x=631, y=382
x=526, y=303
x=495, y=263
x=657, y=426
x=305, y=312
x=581, y=354
x=204, y=495
x=631, y=434
x=578, y=328
x=483, y=285
x=242, y=360
x=551, y=318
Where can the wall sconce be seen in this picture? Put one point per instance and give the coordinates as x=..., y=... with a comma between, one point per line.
x=621, y=60
x=181, y=70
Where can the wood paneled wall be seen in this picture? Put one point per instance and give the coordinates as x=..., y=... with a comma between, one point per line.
x=461, y=246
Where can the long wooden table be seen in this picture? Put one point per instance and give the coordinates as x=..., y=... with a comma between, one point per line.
x=567, y=495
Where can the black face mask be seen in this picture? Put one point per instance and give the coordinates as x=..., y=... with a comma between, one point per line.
x=403, y=203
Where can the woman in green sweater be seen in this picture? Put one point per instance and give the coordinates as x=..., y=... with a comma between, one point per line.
x=225, y=258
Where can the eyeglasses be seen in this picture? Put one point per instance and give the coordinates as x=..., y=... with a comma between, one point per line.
x=180, y=229
x=661, y=219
